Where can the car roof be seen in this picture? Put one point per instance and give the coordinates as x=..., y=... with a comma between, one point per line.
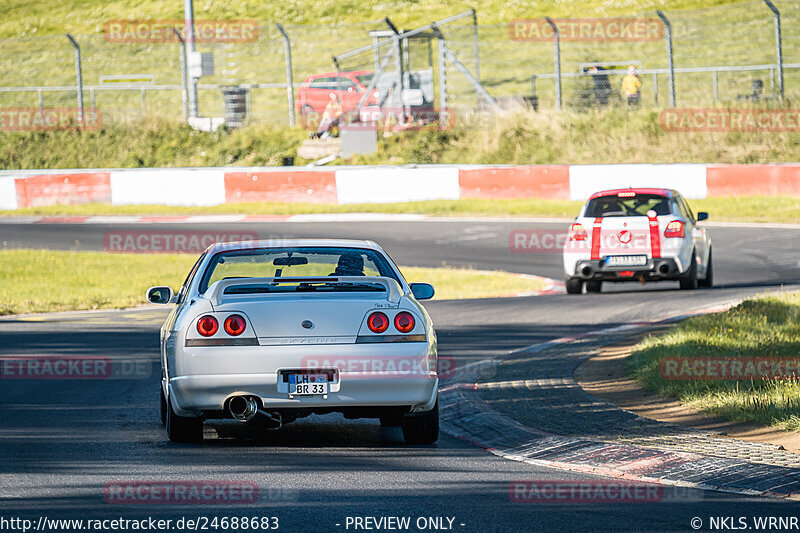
x=335, y=74
x=669, y=193
x=292, y=243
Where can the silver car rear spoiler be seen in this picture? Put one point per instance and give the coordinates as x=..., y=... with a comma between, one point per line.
x=216, y=290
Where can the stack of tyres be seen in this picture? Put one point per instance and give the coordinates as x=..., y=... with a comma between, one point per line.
x=235, y=105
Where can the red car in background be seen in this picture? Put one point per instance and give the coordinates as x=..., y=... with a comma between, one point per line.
x=314, y=94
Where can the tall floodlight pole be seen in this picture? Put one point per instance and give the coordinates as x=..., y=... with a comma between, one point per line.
x=78, y=75
x=188, y=15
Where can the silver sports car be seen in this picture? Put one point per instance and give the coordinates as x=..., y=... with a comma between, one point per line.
x=265, y=333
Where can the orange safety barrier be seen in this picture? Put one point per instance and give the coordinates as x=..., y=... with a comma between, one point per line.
x=753, y=180
x=534, y=181
x=317, y=187
x=63, y=189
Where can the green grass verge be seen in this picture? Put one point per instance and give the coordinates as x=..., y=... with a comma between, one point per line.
x=781, y=209
x=731, y=209
x=40, y=17
x=152, y=143
x=467, y=207
x=36, y=281
x=521, y=137
x=760, y=327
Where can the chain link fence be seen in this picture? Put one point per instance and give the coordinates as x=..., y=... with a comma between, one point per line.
x=720, y=54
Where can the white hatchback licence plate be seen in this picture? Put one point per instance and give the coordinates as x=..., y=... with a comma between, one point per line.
x=626, y=260
x=308, y=384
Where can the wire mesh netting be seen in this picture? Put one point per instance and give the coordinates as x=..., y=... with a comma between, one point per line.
x=722, y=54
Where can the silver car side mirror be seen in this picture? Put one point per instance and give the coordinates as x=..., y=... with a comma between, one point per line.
x=160, y=295
x=422, y=291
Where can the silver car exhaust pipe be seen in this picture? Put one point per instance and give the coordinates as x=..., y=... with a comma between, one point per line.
x=664, y=269
x=245, y=409
x=587, y=271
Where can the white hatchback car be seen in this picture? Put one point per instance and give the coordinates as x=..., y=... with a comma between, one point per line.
x=637, y=235
x=265, y=333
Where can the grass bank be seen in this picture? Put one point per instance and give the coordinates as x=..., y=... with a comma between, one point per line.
x=39, y=17
x=761, y=327
x=520, y=137
x=37, y=281
x=731, y=209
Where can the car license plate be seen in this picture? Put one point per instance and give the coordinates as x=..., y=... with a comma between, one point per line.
x=308, y=384
x=626, y=260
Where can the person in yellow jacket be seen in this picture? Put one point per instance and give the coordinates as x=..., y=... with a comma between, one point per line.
x=330, y=118
x=631, y=87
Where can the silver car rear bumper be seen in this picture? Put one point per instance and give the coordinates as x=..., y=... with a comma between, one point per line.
x=393, y=374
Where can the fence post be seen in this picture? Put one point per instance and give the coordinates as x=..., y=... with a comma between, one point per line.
x=188, y=15
x=556, y=60
x=670, y=65
x=716, y=85
x=376, y=52
x=287, y=50
x=772, y=81
x=399, y=63
x=778, y=44
x=476, y=48
x=400, y=75
x=144, y=102
x=78, y=75
x=442, y=77
x=184, y=90
x=41, y=100
x=655, y=88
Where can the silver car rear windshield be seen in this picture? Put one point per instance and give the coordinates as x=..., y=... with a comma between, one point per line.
x=627, y=206
x=300, y=262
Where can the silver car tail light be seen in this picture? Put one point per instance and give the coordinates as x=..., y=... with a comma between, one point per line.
x=207, y=326
x=404, y=322
x=377, y=322
x=235, y=325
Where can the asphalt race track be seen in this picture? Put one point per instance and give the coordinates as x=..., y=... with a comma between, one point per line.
x=63, y=441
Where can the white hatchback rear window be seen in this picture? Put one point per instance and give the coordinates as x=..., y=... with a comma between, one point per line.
x=627, y=206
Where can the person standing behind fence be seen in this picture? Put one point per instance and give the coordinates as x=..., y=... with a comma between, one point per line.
x=632, y=87
x=330, y=118
x=602, y=86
